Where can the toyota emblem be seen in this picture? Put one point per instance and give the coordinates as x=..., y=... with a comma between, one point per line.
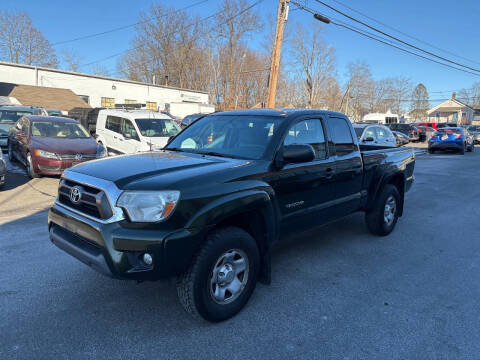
x=78, y=157
x=75, y=194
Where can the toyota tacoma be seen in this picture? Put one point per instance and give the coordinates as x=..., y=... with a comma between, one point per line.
x=207, y=209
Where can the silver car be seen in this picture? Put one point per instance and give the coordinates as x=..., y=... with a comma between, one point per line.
x=374, y=134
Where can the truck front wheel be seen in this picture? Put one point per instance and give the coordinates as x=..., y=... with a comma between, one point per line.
x=222, y=275
x=382, y=218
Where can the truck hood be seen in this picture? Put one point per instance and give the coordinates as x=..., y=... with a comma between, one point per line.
x=154, y=170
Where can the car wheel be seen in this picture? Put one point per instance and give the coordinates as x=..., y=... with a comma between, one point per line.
x=222, y=275
x=431, y=151
x=10, y=152
x=382, y=218
x=462, y=150
x=30, y=170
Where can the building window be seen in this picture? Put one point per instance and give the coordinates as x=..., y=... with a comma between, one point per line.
x=108, y=102
x=127, y=101
x=151, y=105
x=85, y=98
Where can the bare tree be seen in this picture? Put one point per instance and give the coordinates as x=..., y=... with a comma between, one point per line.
x=470, y=96
x=21, y=42
x=315, y=64
x=100, y=70
x=420, y=102
x=71, y=59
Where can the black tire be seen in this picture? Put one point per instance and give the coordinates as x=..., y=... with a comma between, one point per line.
x=30, y=170
x=431, y=151
x=194, y=287
x=11, y=158
x=470, y=148
x=375, y=217
x=462, y=150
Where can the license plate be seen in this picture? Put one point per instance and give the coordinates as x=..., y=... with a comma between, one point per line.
x=444, y=137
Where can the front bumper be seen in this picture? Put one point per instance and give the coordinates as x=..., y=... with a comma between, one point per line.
x=116, y=250
x=47, y=166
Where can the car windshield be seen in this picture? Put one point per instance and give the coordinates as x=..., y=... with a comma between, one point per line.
x=358, y=131
x=473, y=128
x=157, y=127
x=245, y=137
x=8, y=118
x=54, y=129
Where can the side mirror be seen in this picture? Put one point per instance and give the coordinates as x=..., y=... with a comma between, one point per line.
x=368, y=139
x=298, y=153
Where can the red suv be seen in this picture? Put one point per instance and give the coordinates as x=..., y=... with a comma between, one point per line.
x=48, y=145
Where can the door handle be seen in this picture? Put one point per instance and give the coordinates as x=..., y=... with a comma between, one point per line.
x=329, y=173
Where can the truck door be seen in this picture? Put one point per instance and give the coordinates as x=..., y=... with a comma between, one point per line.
x=305, y=191
x=349, y=166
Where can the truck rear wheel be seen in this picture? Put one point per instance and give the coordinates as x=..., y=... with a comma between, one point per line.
x=222, y=275
x=382, y=218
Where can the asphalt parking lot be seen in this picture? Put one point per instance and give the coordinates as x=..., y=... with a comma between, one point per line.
x=337, y=292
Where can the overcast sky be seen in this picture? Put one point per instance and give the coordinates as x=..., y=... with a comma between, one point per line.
x=450, y=25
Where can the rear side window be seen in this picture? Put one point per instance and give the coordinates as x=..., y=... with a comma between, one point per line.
x=308, y=132
x=341, y=136
x=114, y=123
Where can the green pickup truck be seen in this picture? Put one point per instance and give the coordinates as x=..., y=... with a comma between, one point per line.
x=208, y=207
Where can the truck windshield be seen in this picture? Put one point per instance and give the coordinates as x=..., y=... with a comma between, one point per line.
x=245, y=137
x=66, y=130
x=157, y=127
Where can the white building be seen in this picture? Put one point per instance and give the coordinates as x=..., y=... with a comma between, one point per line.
x=381, y=118
x=100, y=91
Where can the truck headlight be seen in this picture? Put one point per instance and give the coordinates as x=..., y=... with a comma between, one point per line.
x=47, y=154
x=148, y=206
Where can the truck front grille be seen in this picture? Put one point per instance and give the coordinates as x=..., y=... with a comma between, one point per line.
x=92, y=201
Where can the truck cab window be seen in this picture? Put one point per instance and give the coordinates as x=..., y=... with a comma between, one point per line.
x=308, y=132
x=341, y=135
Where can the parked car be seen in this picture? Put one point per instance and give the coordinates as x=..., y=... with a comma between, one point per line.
x=408, y=129
x=187, y=120
x=3, y=170
x=400, y=138
x=427, y=131
x=444, y=125
x=9, y=115
x=432, y=125
x=374, y=135
x=48, y=145
x=131, y=131
x=210, y=205
x=474, y=130
x=451, y=138
x=54, y=112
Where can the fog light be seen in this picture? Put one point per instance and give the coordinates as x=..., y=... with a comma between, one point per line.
x=147, y=259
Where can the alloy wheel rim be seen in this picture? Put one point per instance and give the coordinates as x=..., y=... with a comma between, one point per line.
x=229, y=276
x=390, y=210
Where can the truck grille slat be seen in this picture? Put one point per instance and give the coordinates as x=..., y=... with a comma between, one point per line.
x=93, y=201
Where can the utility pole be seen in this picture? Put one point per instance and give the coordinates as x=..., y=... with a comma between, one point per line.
x=277, y=48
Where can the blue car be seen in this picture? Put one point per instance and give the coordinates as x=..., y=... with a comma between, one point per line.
x=451, y=138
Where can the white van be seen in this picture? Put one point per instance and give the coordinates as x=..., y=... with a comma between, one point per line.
x=130, y=131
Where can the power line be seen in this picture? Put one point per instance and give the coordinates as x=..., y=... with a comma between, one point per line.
x=383, y=40
x=405, y=34
x=123, y=27
x=173, y=32
x=395, y=38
